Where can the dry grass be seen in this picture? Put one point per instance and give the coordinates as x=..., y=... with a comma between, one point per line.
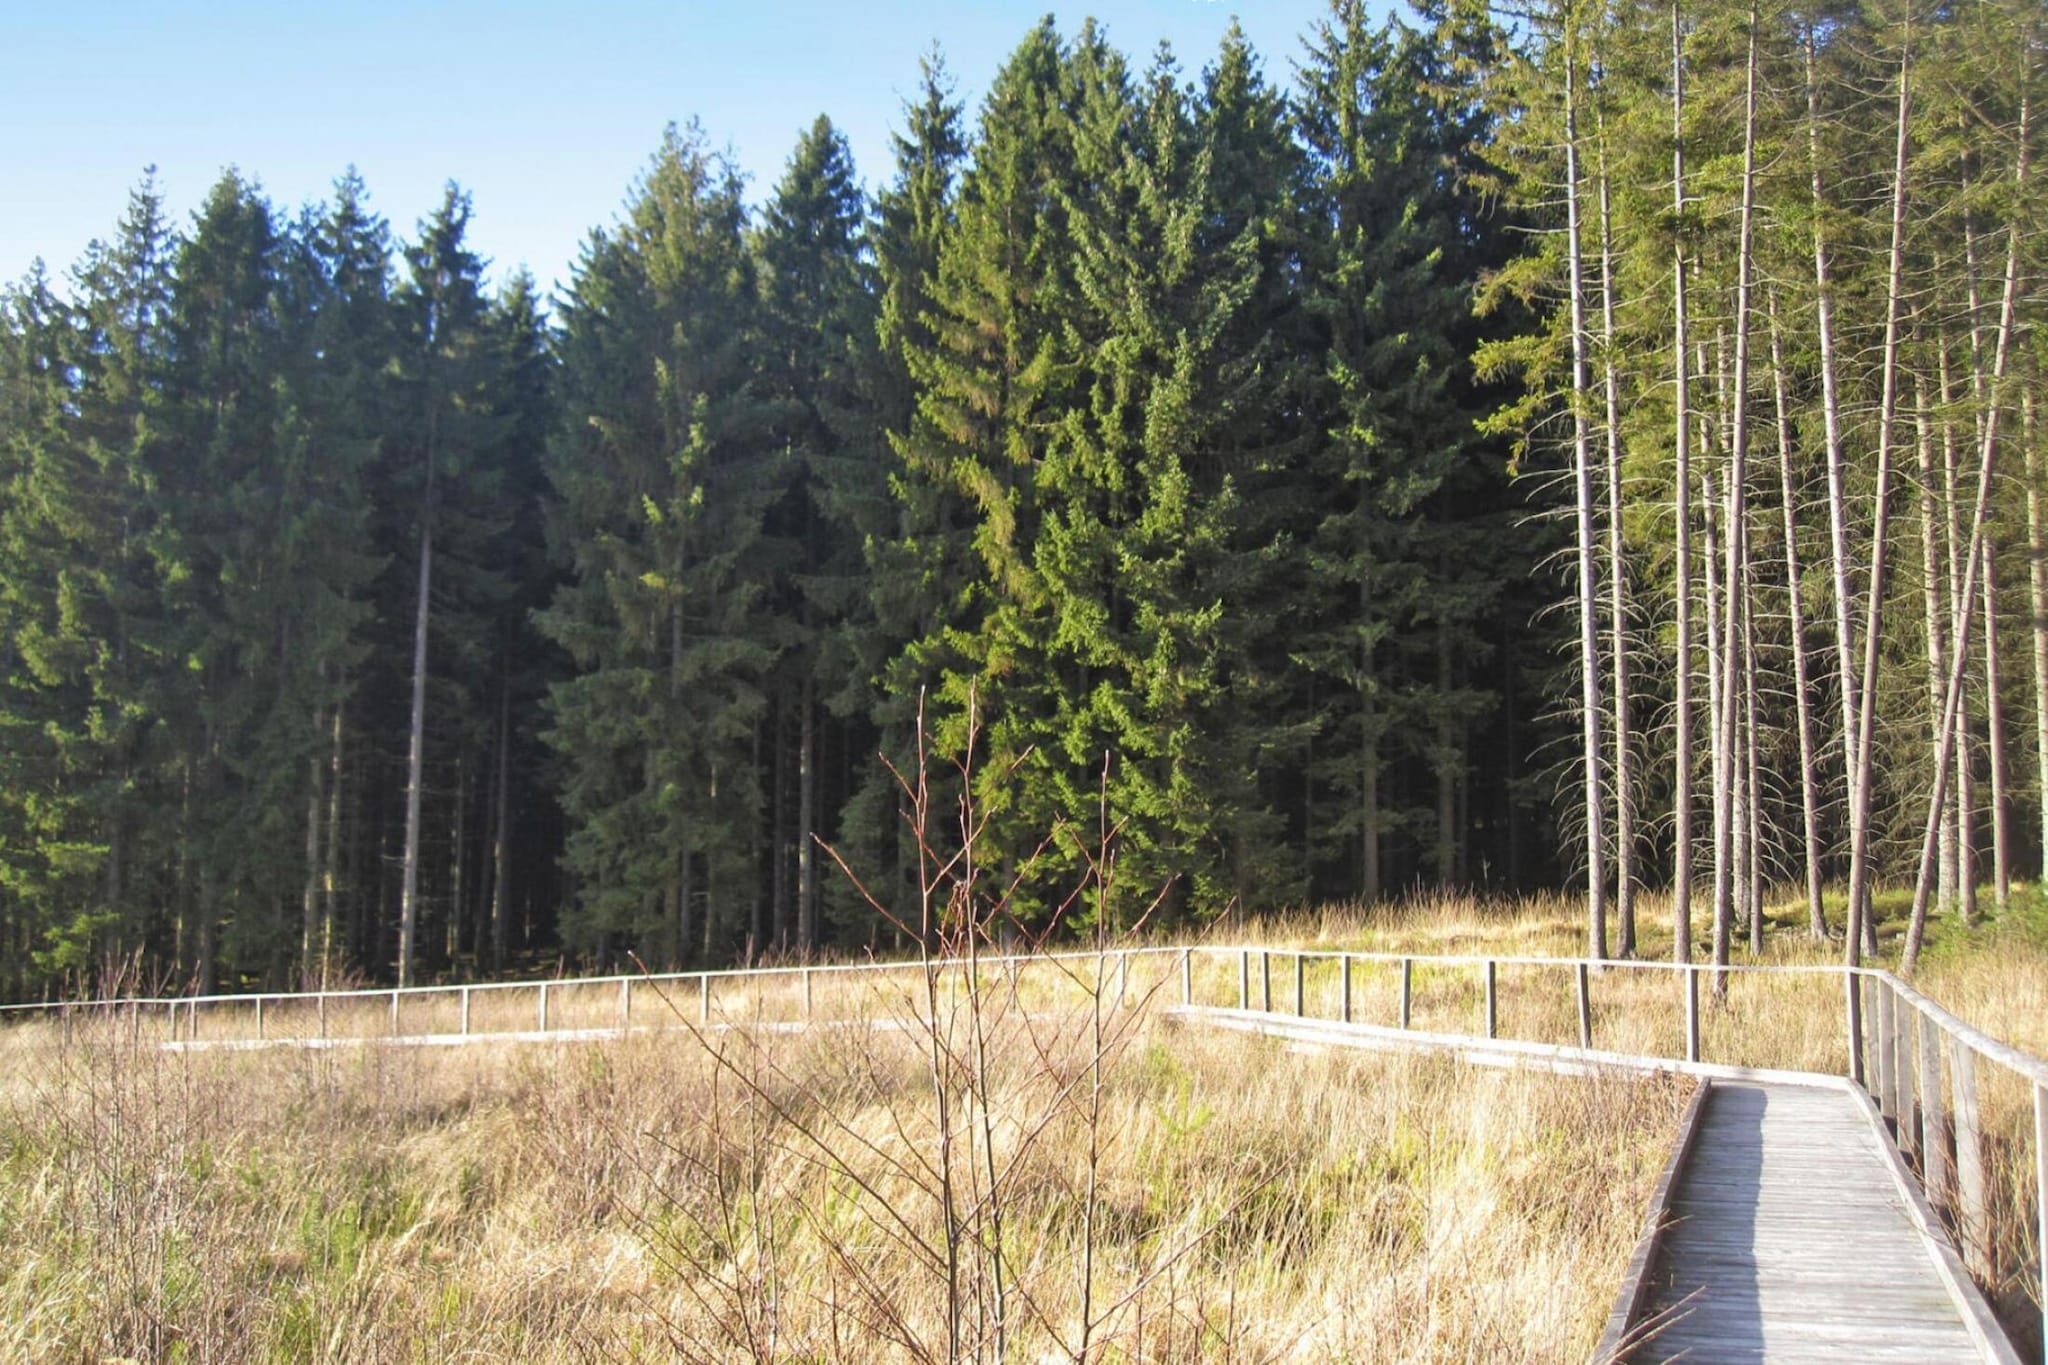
x=745, y=1193
x=658, y=1197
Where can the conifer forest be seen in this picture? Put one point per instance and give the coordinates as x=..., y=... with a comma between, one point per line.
x=1594, y=444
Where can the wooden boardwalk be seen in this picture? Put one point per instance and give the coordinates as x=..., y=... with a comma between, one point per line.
x=1790, y=1239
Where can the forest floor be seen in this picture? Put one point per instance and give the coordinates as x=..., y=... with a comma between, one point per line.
x=1166, y=1193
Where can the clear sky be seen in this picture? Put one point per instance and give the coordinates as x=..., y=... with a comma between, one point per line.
x=543, y=111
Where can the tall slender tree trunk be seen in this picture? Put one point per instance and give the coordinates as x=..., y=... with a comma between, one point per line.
x=309, y=916
x=1838, y=492
x=1802, y=681
x=1582, y=473
x=1862, y=926
x=1752, y=775
x=1994, y=725
x=415, y=763
x=807, y=820
x=1965, y=778
x=1935, y=623
x=330, y=877
x=1681, y=857
x=2037, y=599
x=1617, y=588
x=501, y=837
x=1979, y=518
x=778, y=829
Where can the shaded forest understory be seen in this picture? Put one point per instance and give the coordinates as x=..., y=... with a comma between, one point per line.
x=1598, y=446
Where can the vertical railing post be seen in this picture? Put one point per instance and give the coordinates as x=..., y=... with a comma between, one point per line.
x=1407, y=988
x=322, y=1010
x=1853, y=1031
x=541, y=1011
x=1123, y=976
x=1934, y=1174
x=1265, y=981
x=1905, y=1065
x=394, y=1013
x=171, y=1022
x=259, y=1018
x=2041, y=1198
x=1187, y=976
x=807, y=989
x=1244, y=978
x=465, y=1012
x=1492, y=1002
x=1692, y=1014
x=1972, y=1210
x=1300, y=972
x=704, y=997
x=1344, y=986
x=1585, y=973
x=1881, y=1030
x=625, y=1003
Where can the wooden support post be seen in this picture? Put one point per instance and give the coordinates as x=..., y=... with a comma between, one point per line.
x=1187, y=976
x=1853, y=990
x=1244, y=978
x=1973, y=1212
x=171, y=1022
x=1300, y=1001
x=2041, y=1196
x=1344, y=987
x=541, y=1012
x=259, y=1018
x=704, y=997
x=1407, y=987
x=1934, y=1159
x=1265, y=981
x=1692, y=1015
x=1905, y=1066
x=465, y=1011
x=323, y=1014
x=1585, y=975
x=807, y=986
x=134, y=1024
x=394, y=1014
x=625, y=1003
x=1492, y=1002
x=1881, y=1038
x=1123, y=976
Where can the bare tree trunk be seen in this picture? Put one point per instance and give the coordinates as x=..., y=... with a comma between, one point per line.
x=1862, y=927
x=1980, y=516
x=2037, y=599
x=1719, y=720
x=1994, y=724
x=1802, y=682
x=1838, y=493
x=1965, y=777
x=1681, y=483
x=807, y=821
x=1753, y=862
x=309, y=918
x=501, y=840
x=1617, y=602
x=1448, y=764
x=409, y=896
x=330, y=878
x=1935, y=623
x=778, y=831
x=1582, y=472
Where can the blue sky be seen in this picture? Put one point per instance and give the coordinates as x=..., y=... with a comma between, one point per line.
x=545, y=112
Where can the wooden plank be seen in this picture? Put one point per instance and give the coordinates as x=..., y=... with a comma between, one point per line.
x=1615, y=1341
x=1584, y=973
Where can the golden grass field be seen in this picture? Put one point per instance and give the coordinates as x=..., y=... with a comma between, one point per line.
x=1052, y=1173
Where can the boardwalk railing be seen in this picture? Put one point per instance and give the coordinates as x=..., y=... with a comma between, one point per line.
x=1959, y=1102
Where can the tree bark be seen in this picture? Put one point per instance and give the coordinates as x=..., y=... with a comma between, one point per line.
x=1617, y=592
x=415, y=764
x=1802, y=682
x=1681, y=858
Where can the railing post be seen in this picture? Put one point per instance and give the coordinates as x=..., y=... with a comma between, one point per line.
x=259, y=1018
x=1584, y=974
x=704, y=997
x=1187, y=976
x=1905, y=1066
x=1123, y=976
x=1972, y=1212
x=1344, y=986
x=1244, y=978
x=1934, y=1174
x=2041, y=1195
x=322, y=1002
x=543, y=1009
x=1881, y=1029
x=1265, y=981
x=1407, y=987
x=1852, y=990
x=1492, y=1002
x=807, y=988
x=1300, y=1001
x=394, y=1013
x=465, y=1011
x=1692, y=1014
x=625, y=1003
